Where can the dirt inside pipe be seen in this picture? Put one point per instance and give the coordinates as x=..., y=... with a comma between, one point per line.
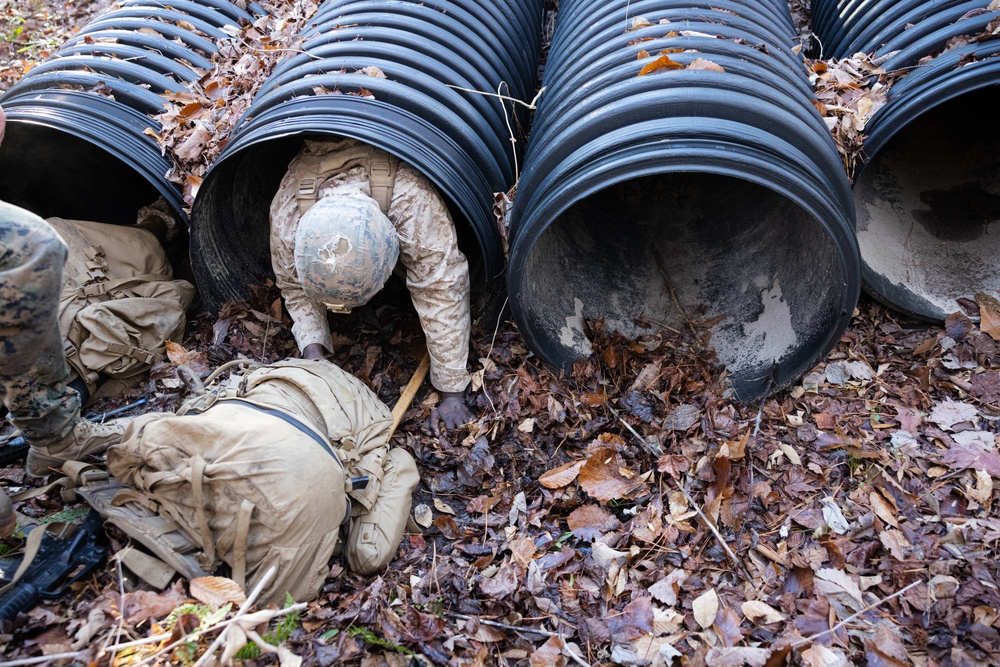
x=928, y=207
x=672, y=249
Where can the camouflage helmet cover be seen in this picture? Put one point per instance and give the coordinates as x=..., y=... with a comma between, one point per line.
x=345, y=250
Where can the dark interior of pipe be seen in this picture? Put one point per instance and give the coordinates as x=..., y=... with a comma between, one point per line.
x=677, y=248
x=928, y=208
x=231, y=246
x=52, y=173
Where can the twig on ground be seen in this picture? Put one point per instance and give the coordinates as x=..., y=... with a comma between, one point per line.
x=652, y=448
x=121, y=608
x=711, y=526
x=753, y=450
x=27, y=662
x=878, y=603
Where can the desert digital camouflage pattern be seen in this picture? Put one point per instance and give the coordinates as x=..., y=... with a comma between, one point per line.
x=437, y=273
x=33, y=370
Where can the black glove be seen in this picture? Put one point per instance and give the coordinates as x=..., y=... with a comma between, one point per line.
x=452, y=410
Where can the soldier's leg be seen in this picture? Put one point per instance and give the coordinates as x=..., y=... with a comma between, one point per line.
x=33, y=368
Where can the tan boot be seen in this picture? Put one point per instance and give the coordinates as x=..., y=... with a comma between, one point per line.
x=85, y=439
x=8, y=522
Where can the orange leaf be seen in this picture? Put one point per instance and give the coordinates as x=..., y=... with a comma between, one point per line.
x=561, y=476
x=643, y=53
x=189, y=110
x=819, y=67
x=663, y=62
x=601, y=477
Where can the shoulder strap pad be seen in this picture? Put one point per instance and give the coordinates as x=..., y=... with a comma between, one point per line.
x=317, y=169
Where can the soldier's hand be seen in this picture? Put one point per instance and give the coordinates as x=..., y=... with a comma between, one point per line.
x=314, y=351
x=452, y=410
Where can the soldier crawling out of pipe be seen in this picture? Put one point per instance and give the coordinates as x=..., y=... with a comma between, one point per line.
x=222, y=496
x=344, y=213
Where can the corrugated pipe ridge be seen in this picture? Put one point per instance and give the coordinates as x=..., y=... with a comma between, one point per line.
x=928, y=187
x=684, y=194
x=87, y=155
x=403, y=75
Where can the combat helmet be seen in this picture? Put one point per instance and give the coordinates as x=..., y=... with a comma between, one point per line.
x=345, y=251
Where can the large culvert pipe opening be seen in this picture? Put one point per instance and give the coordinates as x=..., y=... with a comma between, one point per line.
x=230, y=243
x=928, y=207
x=52, y=173
x=672, y=248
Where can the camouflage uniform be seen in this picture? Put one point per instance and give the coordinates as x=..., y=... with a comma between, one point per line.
x=437, y=273
x=33, y=370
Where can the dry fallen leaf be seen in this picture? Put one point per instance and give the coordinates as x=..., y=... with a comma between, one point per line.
x=989, y=313
x=589, y=522
x=818, y=655
x=948, y=413
x=217, y=591
x=561, y=476
x=443, y=507
x=706, y=607
x=603, y=479
x=665, y=590
x=761, y=612
x=737, y=656
x=423, y=516
x=701, y=63
x=663, y=62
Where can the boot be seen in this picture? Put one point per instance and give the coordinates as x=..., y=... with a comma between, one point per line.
x=85, y=439
x=8, y=522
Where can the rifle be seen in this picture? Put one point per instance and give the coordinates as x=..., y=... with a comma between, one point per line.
x=58, y=563
x=17, y=448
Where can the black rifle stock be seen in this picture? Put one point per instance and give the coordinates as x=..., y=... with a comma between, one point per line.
x=58, y=563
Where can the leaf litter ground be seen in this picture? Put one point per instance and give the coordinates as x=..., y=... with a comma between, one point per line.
x=628, y=513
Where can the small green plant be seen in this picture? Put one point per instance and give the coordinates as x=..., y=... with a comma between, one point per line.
x=369, y=637
x=65, y=516
x=330, y=634
x=286, y=626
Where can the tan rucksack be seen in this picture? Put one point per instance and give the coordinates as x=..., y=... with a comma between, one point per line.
x=119, y=303
x=264, y=471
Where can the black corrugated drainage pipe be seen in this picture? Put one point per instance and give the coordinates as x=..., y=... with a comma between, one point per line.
x=395, y=74
x=77, y=153
x=927, y=189
x=683, y=194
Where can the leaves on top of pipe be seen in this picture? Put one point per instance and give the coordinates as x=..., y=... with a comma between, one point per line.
x=664, y=62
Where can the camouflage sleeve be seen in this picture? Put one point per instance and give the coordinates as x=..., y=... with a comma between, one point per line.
x=437, y=275
x=309, y=323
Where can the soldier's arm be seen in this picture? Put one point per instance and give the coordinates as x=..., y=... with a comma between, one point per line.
x=437, y=275
x=309, y=324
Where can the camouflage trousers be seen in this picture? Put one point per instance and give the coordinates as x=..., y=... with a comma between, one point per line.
x=33, y=370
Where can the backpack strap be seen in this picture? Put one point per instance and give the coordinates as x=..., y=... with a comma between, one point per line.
x=99, y=289
x=317, y=169
x=382, y=177
x=241, y=543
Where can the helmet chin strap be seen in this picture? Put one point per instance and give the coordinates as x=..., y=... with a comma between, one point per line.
x=340, y=309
